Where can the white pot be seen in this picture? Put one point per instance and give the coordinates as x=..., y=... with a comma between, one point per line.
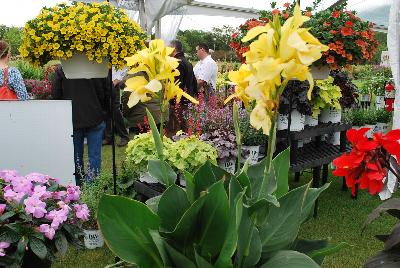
x=253, y=153
x=146, y=177
x=330, y=116
x=379, y=102
x=228, y=165
x=382, y=127
x=283, y=122
x=335, y=138
x=297, y=121
x=311, y=121
x=79, y=67
x=300, y=144
x=182, y=181
x=320, y=72
x=365, y=98
x=371, y=130
x=93, y=239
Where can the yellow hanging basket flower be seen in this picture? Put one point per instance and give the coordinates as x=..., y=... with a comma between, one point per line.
x=99, y=31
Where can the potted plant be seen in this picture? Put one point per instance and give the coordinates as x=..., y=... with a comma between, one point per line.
x=139, y=151
x=84, y=36
x=326, y=104
x=283, y=117
x=383, y=119
x=358, y=118
x=370, y=121
x=39, y=218
x=347, y=88
x=224, y=142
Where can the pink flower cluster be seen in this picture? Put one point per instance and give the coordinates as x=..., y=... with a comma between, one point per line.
x=49, y=203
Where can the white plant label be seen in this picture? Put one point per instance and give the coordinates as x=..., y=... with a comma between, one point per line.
x=93, y=239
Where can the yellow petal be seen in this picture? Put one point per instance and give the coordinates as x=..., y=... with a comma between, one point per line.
x=256, y=31
x=260, y=119
x=311, y=81
x=268, y=69
x=190, y=98
x=136, y=82
x=296, y=42
x=154, y=86
x=133, y=100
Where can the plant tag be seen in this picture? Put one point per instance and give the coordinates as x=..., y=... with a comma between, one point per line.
x=93, y=239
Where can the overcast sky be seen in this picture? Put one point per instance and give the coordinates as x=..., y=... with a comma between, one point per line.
x=17, y=12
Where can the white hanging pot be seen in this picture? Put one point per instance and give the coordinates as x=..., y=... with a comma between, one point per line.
x=297, y=121
x=335, y=138
x=330, y=116
x=80, y=67
x=320, y=72
x=93, y=239
x=228, y=165
x=311, y=121
x=382, y=127
x=379, y=102
x=253, y=153
x=283, y=122
x=182, y=181
x=146, y=177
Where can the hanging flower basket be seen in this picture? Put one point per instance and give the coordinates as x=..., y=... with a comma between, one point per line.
x=79, y=66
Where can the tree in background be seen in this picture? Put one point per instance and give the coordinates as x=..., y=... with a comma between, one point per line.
x=382, y=39
x=13, y=35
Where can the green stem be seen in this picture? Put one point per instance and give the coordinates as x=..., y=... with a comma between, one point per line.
x=271, y=146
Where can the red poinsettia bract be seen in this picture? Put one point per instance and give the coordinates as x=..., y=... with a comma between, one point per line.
x=367, y=163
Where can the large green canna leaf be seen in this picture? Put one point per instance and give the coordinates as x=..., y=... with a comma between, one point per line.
x=281, y=164
x=189, y=179
x=213, y=221
x=173, y=204
x=309, y=202
x=162, y=171
x=203, y=179
x=244, y=181
x=125, y=225
x=231, y=238
x=201, y=262
x=290, y=259
x=283, y=223
x=178, y=259
x=260, y=186
x=249, y=244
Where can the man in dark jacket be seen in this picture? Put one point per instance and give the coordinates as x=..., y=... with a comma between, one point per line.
x=188, y=83
x=90, y=108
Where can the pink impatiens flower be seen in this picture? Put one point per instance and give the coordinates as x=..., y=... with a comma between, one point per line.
x=41, y=192
x=3, y=245
x=10, y=195
x=2, y=208
x=7, y=175
x=73, y=193
x=37, y=177
x=59, y=195
x=57, y=217
x=82, y=212
x=47, y=230
x=21, y=184
x=35, y=206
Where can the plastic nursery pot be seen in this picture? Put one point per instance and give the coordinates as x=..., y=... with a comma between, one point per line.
x=146, y=177
x=251, y=153
x=330, y=116
x=335, y=138
x=297, y=121
x=382, y=127
x=79, y=66
x=311, y=121
x=228, y=165
x=93, y=239
x=320, y=72
x=379, y=102
x=283, y=122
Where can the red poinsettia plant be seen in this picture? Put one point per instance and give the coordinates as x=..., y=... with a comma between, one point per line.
x=350, y=39
x=370, y=160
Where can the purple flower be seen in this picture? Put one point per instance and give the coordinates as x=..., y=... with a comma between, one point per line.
x=37, y=177
x=73, y=193
x=2, y=208
x=34, y=206
x=3, y=245
x=21, y=185
x=8, y=175
x=57, y=217
x=82, y=212
x=41, y=192
x=47, y=230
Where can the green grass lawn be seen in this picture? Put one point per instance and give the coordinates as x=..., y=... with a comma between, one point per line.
x=340, y=218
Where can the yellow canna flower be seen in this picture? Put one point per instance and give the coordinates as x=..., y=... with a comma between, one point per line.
x=140, y=88
x=240, y=79
x=260, y=119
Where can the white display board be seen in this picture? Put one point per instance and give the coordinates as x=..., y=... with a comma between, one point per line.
x=36, y=136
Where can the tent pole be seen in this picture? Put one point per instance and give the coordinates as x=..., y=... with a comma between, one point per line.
x=158, y=28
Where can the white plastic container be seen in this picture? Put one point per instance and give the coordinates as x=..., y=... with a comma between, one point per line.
x=320, y=72
x=330, y=116
x=311, y=121
x=283, y=122
x=80, y=67
x=297, y=121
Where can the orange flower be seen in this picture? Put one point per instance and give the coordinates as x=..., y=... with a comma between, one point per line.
x=330, y=59
x=327, y=24
x=332, y=46
x=285, y=15
x=276, y=11
x=349, y=23
x=287, y=5
x=360, y=43
x=365, y=34
x=335, y=14
x=333, y=32
x=346, y=31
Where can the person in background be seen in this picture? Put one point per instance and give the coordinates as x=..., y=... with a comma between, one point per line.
x=120, y=128
x=206, y=70
x=188, y=83
x=90, y=108
x=12, y=84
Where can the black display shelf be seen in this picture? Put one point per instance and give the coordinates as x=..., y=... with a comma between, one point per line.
x=311, y=132
x=148, y=190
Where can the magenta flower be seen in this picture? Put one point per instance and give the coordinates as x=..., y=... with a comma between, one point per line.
x=57, y=217
x=35, y=206
x=7, y=175
x=37, y=177
x=10, y=195
x=41, y=192
x=3, y=245
x=73, y=193
x=47, y=230
x=21, y=185
x=82, y=212
x=58, y=195
x=2, y=208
